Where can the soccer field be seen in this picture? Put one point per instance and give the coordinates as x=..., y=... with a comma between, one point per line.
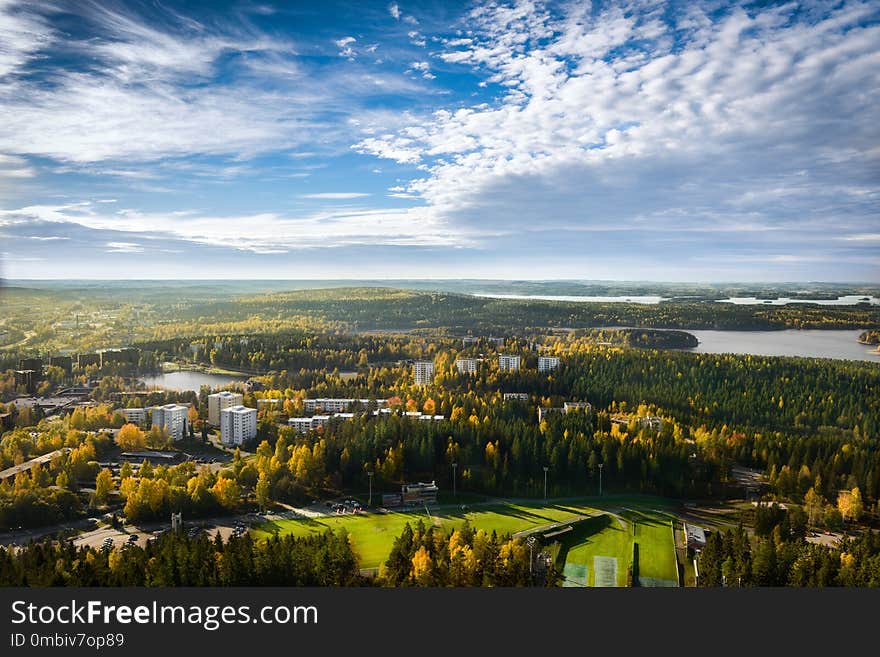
x=599, y=545
x=598, y=552
x=373, y=534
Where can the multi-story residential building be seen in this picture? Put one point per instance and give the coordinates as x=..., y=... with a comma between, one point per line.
x=570, y=407
x=469, y=341
x=508, y=363
x=466, y=365
x=300, y=424
x=64, y=362
x=544, y=411
x=26, y=379
x=173, y=418
x=220, y=400
x=496, y=342
x=339, y=405
x=517, y=396
x=275, y=404
x=423, y=372
x=238, y=424
x=87, y=360
x=136, y=416
x=651, y=422
x=547, y=363
x=126, y=355
x=35, y=364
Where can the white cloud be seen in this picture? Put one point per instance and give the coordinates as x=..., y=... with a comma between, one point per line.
x=172, y=88
x=257, y=233
x=335, y=195
x=22, y=35
x=124, y=247
x=345, y=46
x=613, y=116
x=394, y=10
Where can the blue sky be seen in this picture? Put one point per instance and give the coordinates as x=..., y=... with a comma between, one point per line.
x=622, y=140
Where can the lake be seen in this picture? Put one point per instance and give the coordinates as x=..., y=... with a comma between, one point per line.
x=840, y=344
x=190, y=380
x=848, y=300
x=650, y=300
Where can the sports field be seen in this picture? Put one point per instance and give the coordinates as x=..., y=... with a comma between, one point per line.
x=599, y=551
x=603, y=537
x=373, y=534
x=656, y=551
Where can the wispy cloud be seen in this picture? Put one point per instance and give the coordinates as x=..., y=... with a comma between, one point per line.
x=257, y=233
x=124, y=247
x=335, y=195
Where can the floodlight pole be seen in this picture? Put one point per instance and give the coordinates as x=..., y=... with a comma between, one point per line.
x=545, y=481
x=601, y=465
x=454, y=466
x=370, y=501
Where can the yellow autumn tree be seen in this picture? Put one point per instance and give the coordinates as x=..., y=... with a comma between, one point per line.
x=130, y=438
x=421, y=567
x=103, y=486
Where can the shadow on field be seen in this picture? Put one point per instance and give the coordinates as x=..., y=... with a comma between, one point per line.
x=273, y=527
x=520, y=513
x=581, y=534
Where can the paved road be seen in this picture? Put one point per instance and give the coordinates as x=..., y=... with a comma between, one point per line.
x=27, y=535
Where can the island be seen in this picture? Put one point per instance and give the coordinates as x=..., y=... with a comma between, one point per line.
x=871, y=336
x=654, y=339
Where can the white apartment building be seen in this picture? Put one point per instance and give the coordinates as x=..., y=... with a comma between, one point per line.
x=466, y=365
x=423, y=372
x=469, y=341
x=338, y=405
x=509, y=363
x=547, y=363
x=273, y=403
x=570, y=407
x=496, y=342
x=518, y=396
x=238, y=424
x=220, y=400
x=172, y=418
x=544, y=411
x=136, y=416
x=300, y=424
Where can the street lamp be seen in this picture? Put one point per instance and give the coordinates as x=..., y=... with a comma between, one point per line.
x=531, y=541
x=454, y=466
x=601, y=465
x=545, y=481
x=370, y=501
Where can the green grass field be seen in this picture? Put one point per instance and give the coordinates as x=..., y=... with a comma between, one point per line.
x=612, y=536
x=373, y=534
x=602, y=536
x=653, y=533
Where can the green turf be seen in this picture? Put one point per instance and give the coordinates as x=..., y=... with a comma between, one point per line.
x=601, y=536
x=653, y=533
x=373, y=534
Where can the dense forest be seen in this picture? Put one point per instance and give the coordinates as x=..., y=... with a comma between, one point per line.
x=464, y=557
x=779, y=556
x=178, y=560
x=86, y=318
